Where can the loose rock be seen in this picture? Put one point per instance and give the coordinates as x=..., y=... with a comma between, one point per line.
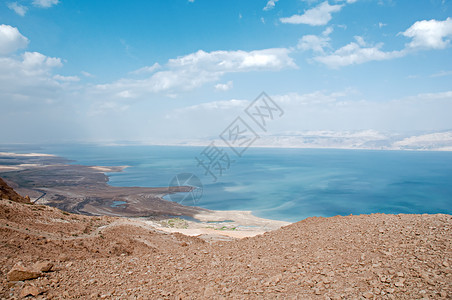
x=19, y=273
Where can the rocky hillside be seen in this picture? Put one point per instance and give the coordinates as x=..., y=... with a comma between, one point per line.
x=50, y=254
x=6, y=192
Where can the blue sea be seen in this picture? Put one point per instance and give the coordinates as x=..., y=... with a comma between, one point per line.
x=288, y=184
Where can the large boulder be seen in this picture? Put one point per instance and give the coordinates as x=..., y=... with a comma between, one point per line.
x=20, y=273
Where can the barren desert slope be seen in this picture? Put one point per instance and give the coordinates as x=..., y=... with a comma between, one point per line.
x=367, y=256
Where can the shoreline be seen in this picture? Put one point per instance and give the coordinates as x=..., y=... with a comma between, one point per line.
x=85, y=190
x=218, y=225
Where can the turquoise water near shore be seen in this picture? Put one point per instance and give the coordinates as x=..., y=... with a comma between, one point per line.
x=289, y=184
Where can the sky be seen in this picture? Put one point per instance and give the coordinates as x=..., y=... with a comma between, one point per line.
x=161, y=71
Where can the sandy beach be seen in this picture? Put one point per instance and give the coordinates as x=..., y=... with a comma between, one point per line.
x=219, y=224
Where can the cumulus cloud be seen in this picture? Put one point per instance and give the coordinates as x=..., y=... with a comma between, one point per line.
x=17, y=8
x=425, y=34
x=319, y=15
x=356, y=53
x=224, y=86
x=431, y=34
x=38, y=61
x=316, y=43
x=45, y=3
x=32, y=64
x=195, y=69
x=270, y=4
x=234, y=61
x=29, y=75
x=11, y=39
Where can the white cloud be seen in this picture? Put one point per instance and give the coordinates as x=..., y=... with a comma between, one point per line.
x=217, y=105
x=195, y=69
x=234, y=61
x=224, y=86
x=442, y=74
x=356, y=53
x=319, y=15
x=126, y=94
x=430, y=34
x=38, y=61
x=270, y=4
x=66, y=78
x=45, y=3
x=87, y=74
x=327, y=31
x=316, y=43
x=147, y=69
x=29, y=78
x=11, y=39
x=18, y=9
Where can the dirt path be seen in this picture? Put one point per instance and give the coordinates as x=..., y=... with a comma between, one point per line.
x=96, y=232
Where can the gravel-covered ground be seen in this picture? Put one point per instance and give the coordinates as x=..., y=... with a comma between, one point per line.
x=368, y=256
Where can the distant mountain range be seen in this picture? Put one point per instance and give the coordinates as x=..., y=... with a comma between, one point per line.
x=359, y=139
x=366, y=139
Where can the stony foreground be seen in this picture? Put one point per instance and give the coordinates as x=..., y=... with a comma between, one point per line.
x=369, y=256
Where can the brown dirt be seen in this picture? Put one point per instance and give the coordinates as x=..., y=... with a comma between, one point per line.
x=368, y=256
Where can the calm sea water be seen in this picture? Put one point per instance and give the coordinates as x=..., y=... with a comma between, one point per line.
x=290, y=184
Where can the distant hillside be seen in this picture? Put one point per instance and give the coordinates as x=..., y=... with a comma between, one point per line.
x=6, y=192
